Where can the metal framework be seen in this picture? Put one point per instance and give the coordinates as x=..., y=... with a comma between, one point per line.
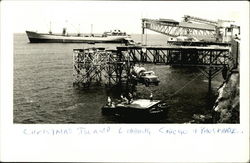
x=96, y=66
x=192, y=26
x=178, y=29
x=209, y=60
x=88, y=66
x=188, y=18
x=177, y=55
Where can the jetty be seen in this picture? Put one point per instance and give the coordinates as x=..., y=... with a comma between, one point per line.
x=95, y=65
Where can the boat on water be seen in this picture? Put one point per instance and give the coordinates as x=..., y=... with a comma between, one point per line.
x=115, y=36
x=139, y=108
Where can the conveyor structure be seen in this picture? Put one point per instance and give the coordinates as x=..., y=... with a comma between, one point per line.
x=203, y=29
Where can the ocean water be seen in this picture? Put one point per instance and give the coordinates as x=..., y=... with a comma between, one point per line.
x=44, y=92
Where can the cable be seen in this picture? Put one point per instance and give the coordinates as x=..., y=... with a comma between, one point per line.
x=184, y=86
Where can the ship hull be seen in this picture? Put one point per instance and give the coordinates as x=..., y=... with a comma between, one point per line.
x=52, y=38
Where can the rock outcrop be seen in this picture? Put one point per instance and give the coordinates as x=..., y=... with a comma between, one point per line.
x=228, y=102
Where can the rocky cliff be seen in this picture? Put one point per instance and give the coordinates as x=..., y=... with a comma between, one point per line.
x=227, y=103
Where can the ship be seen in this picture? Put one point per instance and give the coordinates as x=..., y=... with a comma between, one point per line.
x=115, y=36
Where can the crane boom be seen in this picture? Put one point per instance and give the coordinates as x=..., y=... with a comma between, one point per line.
x=188, y=18
x=199, y=28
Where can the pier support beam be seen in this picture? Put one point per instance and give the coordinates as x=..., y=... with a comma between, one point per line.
x=210, y=73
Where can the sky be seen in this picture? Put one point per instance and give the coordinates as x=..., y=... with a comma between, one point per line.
x=108, y=15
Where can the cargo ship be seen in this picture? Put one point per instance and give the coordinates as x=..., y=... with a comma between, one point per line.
x=115, y=36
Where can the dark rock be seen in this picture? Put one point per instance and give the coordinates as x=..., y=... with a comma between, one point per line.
x=227, y=103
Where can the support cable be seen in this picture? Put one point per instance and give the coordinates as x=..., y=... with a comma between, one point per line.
x=184, y=85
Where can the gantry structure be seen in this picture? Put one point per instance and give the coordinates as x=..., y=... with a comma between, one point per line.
x=194, y=27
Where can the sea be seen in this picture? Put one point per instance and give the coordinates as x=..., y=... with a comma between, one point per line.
x=44, y=91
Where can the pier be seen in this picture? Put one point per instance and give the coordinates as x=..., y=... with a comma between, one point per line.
x=99, y=65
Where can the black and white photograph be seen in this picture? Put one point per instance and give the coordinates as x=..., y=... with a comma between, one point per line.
x=124, y=81
x=107, y=64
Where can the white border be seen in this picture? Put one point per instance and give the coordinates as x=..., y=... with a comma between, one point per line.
x=15, y=146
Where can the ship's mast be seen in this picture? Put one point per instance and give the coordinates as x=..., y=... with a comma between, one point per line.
x=50, y=32
x=65, y=28
x=78, y=30
x=91, y=33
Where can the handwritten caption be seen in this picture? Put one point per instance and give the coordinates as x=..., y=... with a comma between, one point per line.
x=132, y=131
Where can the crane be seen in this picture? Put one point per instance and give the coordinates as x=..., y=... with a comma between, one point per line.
x=220, y=31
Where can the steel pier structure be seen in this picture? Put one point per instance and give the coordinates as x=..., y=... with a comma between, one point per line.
x=176, y=55
x=114, y=66
x=96, y=66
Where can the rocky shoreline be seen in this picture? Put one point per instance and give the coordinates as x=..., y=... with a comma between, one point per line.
x=228, y=102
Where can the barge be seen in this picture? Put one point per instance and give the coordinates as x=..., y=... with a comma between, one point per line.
x=139, y=108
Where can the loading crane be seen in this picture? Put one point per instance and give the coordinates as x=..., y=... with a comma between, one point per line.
x=220, y=31
x=188, y=18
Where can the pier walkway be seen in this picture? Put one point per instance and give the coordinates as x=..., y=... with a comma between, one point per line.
x=176, y=55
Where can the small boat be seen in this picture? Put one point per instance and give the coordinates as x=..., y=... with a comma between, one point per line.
x=136, y=109
x=115, y=36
